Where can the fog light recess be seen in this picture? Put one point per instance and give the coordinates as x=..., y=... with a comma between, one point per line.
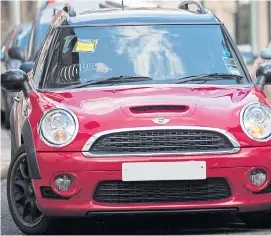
x=63, y=182
x=258, y=177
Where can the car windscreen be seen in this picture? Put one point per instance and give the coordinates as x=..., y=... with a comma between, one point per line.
x=165, y=53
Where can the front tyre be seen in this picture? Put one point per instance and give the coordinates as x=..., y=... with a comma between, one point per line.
x=257, y=219
x=21, y=197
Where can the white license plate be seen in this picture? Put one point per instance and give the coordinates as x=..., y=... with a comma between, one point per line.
x=144, y=171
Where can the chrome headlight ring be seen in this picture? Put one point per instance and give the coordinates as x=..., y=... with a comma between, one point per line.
x=58, y=127
x=255, y=120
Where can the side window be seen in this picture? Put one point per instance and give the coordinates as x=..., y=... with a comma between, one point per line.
x=52, y=65
x=42, y=56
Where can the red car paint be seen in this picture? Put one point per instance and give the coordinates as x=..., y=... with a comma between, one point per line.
x=100, y=109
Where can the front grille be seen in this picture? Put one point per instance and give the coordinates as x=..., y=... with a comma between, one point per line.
x=156, y=108
x=212, y=189
x=161, y=141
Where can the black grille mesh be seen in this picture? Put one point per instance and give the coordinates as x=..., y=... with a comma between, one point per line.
x=161, y=141
x=158, y=108
x=211, y=189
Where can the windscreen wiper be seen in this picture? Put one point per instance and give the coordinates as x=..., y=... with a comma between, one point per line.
x=111, y=81
x=214, y=76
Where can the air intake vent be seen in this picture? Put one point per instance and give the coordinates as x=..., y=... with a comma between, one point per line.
x=118, y=192
x=47, y=192
x=159, y=108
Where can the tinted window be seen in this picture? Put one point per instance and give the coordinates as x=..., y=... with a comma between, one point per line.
x=162, y=52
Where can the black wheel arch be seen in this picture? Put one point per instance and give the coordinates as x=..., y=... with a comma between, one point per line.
x=30, y=150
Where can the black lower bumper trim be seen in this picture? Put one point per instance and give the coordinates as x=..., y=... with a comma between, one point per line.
x=178, y=211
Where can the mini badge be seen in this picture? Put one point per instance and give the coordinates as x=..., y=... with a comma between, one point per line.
x=85, y=45
x=161, y=121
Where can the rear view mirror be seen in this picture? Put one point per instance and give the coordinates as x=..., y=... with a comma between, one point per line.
x=266, y=54
x=263, y=75
x=16, y=53
x=15, y=80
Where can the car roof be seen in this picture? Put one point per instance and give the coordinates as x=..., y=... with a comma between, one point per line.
x=142, y=15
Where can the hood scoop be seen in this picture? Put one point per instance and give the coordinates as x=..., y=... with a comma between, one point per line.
x=158, y=109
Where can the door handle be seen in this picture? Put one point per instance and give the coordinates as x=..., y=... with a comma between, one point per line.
x=16, y=99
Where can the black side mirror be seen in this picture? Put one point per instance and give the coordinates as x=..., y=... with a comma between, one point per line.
x=266, y=53
x=27, y=66
x=15, y=81
x=16, y=53
x=263, y=75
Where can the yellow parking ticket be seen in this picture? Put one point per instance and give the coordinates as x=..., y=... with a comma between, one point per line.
x=85, y=45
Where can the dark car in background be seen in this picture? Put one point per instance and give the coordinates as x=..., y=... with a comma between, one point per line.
x=43, y=18
x=27, y=48
x=13, y=54
x=264, y=57
x=246, y=52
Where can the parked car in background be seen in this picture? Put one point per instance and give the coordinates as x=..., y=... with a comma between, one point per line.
x=42, y=21
x=262, y=58
x=247, y=53
x=265, y=57
x=16, y=39
x=39, y=29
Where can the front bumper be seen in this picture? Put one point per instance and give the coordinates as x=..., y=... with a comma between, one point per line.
x=90, y=171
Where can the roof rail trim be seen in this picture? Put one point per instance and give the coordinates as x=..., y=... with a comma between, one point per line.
x=184, y=5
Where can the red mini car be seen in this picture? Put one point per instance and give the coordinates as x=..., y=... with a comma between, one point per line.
x=138, y=111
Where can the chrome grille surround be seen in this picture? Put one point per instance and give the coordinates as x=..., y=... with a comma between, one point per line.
x=235, y=144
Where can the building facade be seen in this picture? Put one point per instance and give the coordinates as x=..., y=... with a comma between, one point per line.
x=249, y=22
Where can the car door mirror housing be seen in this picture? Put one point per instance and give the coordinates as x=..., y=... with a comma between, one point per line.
x=266, y=53
x=263, y=75
x=15, y=80
x=16, y=53
x=27, y=66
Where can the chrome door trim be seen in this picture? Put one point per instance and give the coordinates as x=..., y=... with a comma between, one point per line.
x=92, y=139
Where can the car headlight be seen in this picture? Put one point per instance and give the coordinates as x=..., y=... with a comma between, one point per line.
x=58, y=127
x=256, y=121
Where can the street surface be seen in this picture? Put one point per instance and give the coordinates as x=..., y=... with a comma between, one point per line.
x=5, y=151
x=177, y=225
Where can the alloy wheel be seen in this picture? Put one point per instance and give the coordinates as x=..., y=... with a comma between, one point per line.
x=22, y=194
